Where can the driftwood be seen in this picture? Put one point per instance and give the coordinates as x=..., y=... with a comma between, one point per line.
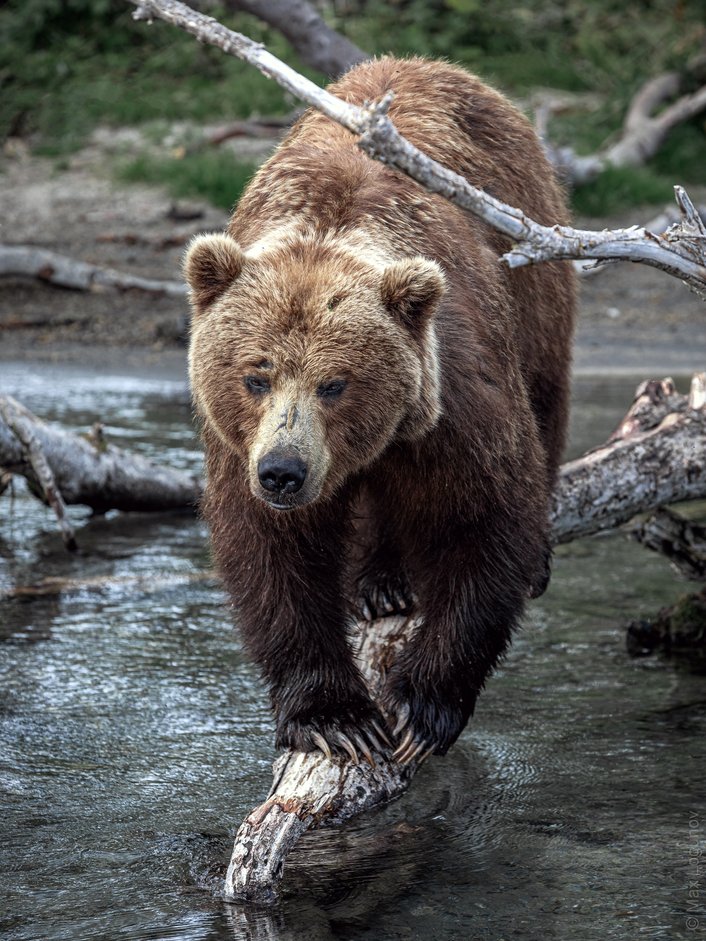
x=88, y=470
x=23, y=426
x=656, y=456
x=643, y=132
x=659, y=449
x=28, y=262
x=680, y=251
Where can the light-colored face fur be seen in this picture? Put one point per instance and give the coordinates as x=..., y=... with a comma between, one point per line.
x=306, y=351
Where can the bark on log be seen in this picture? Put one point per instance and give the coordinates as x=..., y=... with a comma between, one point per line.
x=317, y=44
x=681, y=251
x=62, y=271
x=311, y=791
x=91, y=472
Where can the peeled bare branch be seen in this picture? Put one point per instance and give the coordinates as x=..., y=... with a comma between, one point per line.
x=62, y=271
x=42, y=476
x=681, y=251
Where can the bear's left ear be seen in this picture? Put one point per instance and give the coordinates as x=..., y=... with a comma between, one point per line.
x=411, y=289
x=211, y=265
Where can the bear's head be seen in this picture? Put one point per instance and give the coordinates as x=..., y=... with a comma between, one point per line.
x=308, y=362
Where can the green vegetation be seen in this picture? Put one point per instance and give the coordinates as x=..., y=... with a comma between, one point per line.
x=620, y=188
x=213, y=175
x=67, y=66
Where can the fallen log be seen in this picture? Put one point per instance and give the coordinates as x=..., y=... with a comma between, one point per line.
x=22, y=261
x=90, y=471
x=656, y=455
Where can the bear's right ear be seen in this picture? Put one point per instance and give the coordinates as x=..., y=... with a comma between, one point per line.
x=411, y=289
x=211, y=265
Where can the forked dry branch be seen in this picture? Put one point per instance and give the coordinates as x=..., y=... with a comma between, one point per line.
x=680, y=251
x=643, y=133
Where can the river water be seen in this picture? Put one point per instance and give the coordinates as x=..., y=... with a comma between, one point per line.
x=134, y=737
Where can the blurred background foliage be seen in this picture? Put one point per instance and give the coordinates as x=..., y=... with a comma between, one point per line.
x=67, y=66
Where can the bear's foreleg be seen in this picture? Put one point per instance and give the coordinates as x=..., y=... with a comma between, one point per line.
x=284, y=574
x=472, y=585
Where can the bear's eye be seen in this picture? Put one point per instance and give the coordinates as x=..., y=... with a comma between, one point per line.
x=331, y=390
x=334, y=302
x=257, y=385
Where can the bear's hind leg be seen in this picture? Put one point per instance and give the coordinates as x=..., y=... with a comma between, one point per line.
x=382, y=588
x=380, y=585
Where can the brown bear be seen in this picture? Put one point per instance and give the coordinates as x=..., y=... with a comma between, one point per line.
x=384, y=407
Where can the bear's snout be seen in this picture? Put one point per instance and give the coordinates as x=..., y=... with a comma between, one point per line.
x=281, y=472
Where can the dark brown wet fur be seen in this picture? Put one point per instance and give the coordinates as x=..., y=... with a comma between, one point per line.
x=459, y=516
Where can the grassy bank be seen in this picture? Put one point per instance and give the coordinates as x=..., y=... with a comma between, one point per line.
x=67, y=66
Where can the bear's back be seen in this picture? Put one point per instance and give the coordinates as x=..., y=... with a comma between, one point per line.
x=446, y=112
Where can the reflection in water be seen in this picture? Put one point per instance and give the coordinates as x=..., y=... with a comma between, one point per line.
x=134, y=737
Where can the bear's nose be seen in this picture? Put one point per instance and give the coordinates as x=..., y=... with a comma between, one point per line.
x=281, y=473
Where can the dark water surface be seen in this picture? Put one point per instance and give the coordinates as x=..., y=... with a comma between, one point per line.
x=134, y=737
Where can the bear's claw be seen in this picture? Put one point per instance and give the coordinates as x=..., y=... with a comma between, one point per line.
x=410, y=747
x=322, y=744
x=426, y=723
x=337, y=736
x=382, y=733
x=385, y=599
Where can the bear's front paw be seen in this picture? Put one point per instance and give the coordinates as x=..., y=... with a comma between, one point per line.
x=426, y=723
x=384, y=597
x=350, y=730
